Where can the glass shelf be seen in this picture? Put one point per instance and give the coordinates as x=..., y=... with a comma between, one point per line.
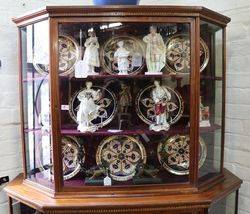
x=72, y=130
x=138, y=130
x=138, y=76
x=39, y=77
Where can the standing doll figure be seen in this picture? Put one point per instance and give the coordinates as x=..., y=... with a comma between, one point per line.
x=155, y=52
x=121, y=56
x=125, y=98
x=161, y=96
x=91, y=54
x=88, y=109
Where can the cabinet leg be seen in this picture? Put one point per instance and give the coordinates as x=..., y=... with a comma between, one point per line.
x=10, y=205
x=205, y=211
x=236, y=201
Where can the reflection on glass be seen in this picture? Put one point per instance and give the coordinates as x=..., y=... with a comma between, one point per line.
x=36, y=102
x=224, y=206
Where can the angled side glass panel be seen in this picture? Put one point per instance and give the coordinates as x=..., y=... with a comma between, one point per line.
x=225, y=206
x=211, y=105
x=124, y=103
x=36, y=103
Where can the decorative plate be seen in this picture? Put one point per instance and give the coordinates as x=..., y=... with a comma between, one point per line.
x=173, y=154
x=145, y=105
x=136, y=56
x=121, y=154
x=71, y=152
x=106, y=112
x=178, y=54
x=69, y=54
x=43, y=154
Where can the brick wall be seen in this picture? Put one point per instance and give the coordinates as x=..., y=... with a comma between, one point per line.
x=237, y=151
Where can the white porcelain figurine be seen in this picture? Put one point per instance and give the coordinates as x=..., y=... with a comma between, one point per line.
x=121, y=55
x=161, y=96
x=88, y=109
x=91, y=54
x=155, y=52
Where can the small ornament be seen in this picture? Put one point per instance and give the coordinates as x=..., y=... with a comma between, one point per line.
x=155, y=52
x=125, y=98
x=121, y=56
x=125, y=102
x=144, y=170
x=96, y=172
x=204, y=115
x=88, y=109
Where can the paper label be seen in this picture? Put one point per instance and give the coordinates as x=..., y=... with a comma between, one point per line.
x=107, y=181
x=65, y=107
x=114, y=130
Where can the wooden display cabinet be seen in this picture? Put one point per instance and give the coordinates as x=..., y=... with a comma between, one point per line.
x=155, y=104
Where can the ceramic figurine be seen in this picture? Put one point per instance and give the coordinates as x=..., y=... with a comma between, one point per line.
x=121, y=56
x=88, y=109
x=160, y=96
x=97, y=172
x=155, y=52
x=125, y=98
x=91, y=54
x=125, y=101
x=204, y=115
x=144, y=171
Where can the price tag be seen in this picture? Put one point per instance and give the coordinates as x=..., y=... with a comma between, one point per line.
x=65, y=107
x=114, y=130
x=107, y=181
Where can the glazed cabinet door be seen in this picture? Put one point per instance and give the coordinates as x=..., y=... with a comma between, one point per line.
x=124, y=92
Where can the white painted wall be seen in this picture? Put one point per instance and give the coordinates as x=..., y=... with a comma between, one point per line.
x=237, y=152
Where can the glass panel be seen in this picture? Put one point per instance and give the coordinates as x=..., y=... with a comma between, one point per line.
x=224, y=206
x=124, y=103
x=36, y=102
x=211, y=98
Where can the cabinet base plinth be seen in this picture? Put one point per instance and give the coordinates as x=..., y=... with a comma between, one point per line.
x=184, y=203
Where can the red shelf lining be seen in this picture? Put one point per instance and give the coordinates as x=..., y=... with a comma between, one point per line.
x=141, y=130
x=102, y=76
x=72, y=130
